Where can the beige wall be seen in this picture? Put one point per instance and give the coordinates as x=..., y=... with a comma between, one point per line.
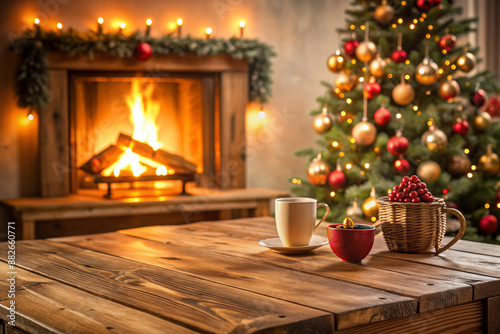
x=303, y=34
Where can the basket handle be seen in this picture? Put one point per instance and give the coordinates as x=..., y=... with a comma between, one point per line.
x=460, y=233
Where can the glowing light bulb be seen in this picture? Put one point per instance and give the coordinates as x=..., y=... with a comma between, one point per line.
x=36, y=20
x=59, y=26
x=208, y=31
x=100, y=20
x=149, y=22
x=179, y=21
x=242, y=24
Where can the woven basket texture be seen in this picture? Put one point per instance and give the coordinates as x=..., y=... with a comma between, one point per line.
x=412, y=227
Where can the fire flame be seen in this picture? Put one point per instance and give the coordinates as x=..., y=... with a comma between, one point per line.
x=143, y=113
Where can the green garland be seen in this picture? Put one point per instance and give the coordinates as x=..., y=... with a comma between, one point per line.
x=34, y=46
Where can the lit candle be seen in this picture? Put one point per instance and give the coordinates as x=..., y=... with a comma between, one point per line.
x=208, y=31
x=179, y=25
x=122, y=26
x=99, y=25
x=148, y=26
x=59, y=27
x=242, y=27
x=30, y=116
x=261, y=113
x=37, y=26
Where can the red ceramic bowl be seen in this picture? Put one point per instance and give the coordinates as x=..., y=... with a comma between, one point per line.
x=351, y=245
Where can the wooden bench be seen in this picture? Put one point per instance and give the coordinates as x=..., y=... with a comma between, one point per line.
x=29, y=212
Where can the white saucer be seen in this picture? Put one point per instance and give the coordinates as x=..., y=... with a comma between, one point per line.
x=276, y=245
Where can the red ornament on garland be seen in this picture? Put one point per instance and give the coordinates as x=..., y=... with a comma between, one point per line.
x=402, y=166
x=461, y=128
x=399, y=56
x=371, y=90
x=478, y=98
x=397, y=145
x=382, y=116
x=143, y=51
x=488, y=224
x=350, y=47
x=425, y=5
x=447, y=42
x=337, y=179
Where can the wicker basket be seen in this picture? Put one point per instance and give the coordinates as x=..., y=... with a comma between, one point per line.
x=416, y=227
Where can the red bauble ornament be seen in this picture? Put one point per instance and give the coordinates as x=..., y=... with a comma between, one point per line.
x=493, y=106
x=143, y=51
x=350, y=47
x=478, y=98
x=371, y=90
x=337, y=179
x=397, y=145
x=425, y=5
x=402, y=166
x=447, y=42
x=382, y=116
x=399, y=56
x=461, y=128
x=488, y=224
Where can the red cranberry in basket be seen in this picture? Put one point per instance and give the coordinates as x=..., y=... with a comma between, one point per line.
x=411, y=190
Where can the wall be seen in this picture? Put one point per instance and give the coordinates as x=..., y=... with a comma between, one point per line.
x=303, y=34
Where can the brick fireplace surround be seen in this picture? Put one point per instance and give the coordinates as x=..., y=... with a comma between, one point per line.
x=63, y=209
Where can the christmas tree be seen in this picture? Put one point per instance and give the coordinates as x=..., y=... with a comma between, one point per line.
x=407, y=99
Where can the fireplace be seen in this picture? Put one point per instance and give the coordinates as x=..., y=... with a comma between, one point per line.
x=155, y=125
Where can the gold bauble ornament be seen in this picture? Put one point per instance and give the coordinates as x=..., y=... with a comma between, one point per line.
x=336, y=62
x=354, y=210
x=448, y=89
x=489, y=163
x=458, y=165
x=322, y=122
x=366, y=51
x=481, y=121
x=426, y=72
x=377, y=67
x=429, y=171
x=466, y=62
x=370, y=205
x=364, y=133
x=318, y=171
x=434, y=139
x=383, y=14
x=345, y=81
x=403, y=94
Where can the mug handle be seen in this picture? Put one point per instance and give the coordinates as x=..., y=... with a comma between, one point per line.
x=460, y=233
x=324, y=217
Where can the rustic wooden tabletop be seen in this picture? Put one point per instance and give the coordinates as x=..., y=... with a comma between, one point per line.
x=214, y=277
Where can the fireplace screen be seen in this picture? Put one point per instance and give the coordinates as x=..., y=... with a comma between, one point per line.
x=130, y=131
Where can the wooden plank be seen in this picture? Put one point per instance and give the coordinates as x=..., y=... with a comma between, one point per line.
x=466, y=318
x=47, y=306
x=493, y=314
x=28, y=229
x=13, y=330
x=196, y=303
x=233, y=104
x=54, y=138
x=185, y=63
x=474, y=247
x=102, y=160
x=352, y=304
x=430, y=293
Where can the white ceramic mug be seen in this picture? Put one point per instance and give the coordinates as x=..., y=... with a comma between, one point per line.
x=296, y=219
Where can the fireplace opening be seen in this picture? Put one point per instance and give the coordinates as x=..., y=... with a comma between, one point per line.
x=133, y=134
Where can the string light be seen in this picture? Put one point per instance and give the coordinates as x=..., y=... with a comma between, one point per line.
x=430, y=27
x=332, y=194
x=389, y=75
x=30, y=116
x=374, y=219
x=473, y=167
x=407, y=77
x=407, y=62
x=498, y=205
x=122, y=26
x=242, y=28
x=36, y=20
x=394, y=25
x=100, y=21
x=453, y=66
x=341, y=95
x=487, y=206
x=341, y=154
x=353, y=61
x=469, y=175
x=362, y=27
x=335, y=144
x=343, y=113
x=59, y=26
x=208, y=32
x=428, y=92
x=148, y=26
x=348, y=101
x=412, y=26
x=466, y=151
x=352, y=140
x=349, y=121
x=348, y=166
x=400, y=20
x=352, y=27
x=398, y=115
x=361, y=79
x=179, y=27
x=367, y=165
x=415, y=108
x=428, y=36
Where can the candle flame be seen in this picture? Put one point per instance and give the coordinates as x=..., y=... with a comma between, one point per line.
x=59, y=25
x=100, y=20
x=242, y=24
x=149, y=22
x=208, y=31
x=37, y=20
x=122, y=25
x=179, y=21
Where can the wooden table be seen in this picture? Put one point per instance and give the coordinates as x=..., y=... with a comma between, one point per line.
x=28, y=212
x=213, y=277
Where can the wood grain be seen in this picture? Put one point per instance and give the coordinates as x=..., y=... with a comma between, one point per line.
x=47, y=306
x=463, y=319
x=430, y=293
x=54, y=138
x=352, y=304
x=493, y=314
x=196, y=303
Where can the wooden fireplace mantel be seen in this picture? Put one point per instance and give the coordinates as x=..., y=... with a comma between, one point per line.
x=57, y=168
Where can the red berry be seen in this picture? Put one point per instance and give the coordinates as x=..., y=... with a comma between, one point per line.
x=413, y=186
x=415, y=200
x=407, y=200
x=400, y=199
x=413, y=194
x=423, y=185
x=400, y=195
x=406, y=190
x=405, y=179
x=422, y=191
x=414, y=178
x=426, y=197
x=395, y=189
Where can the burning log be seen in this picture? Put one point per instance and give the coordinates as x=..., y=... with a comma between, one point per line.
x=102, y=160
x=178, y=163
